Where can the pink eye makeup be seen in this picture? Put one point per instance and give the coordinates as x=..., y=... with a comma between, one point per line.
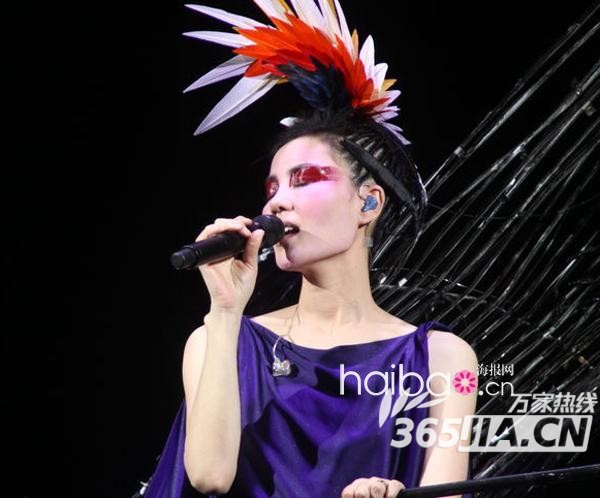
x=271, y=186
x=303, y=175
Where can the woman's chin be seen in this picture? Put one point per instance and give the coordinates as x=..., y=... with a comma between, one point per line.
x=285, y=260
x=291, y=259
x=286, y=265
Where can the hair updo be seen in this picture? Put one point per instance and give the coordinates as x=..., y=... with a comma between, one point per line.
x=332, y=128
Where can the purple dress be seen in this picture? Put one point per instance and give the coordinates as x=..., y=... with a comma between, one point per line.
x=300, y=436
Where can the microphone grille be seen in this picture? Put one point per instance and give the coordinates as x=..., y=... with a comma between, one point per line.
x=273, y=227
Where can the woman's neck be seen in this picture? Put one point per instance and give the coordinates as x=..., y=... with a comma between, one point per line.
x=335, y=293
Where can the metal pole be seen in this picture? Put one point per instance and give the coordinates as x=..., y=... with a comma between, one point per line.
x=531, y=478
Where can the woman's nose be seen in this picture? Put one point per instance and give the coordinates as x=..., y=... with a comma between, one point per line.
x=281, y=201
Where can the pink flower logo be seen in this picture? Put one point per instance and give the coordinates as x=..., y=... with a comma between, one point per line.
x=464, y=382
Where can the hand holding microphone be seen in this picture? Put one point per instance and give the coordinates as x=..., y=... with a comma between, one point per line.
x=228, y=243
x=230, y=281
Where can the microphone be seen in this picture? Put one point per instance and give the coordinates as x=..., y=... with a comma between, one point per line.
x=227, y=244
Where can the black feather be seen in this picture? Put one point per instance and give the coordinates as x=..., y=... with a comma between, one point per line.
x=323, y=89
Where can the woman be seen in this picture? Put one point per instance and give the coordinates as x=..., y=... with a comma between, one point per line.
x=328, y=397
x=315, y=430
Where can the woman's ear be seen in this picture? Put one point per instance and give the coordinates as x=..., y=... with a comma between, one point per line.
x=373, y=199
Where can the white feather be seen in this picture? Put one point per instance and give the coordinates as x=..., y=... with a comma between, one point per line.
x=229, y=69
x=330, y=19
x=346, y=37
x=367, y=56
x=391, y=95
x=289, y=121
x=383, y=113
x=221, y=15
x=386, y=113
x=245, y=92
x=379, y=75
x=397, y=131
x=308, y=12
x=271, y=8
x=227, y=39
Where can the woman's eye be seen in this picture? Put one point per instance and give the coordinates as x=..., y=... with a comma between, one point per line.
x=310, y=174
x=270, y=189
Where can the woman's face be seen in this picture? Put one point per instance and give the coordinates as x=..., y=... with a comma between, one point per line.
x=311, y=188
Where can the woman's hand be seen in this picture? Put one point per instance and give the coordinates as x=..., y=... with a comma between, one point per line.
x=230, y=282
x=374, y=487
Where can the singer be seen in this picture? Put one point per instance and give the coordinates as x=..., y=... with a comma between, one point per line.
x=264, y=415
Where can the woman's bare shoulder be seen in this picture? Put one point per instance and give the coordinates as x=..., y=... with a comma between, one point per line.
x=449, y=352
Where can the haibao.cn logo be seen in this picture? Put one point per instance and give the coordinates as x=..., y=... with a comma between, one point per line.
x=464, y=382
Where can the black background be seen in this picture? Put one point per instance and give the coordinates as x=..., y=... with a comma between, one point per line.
x=102, y=180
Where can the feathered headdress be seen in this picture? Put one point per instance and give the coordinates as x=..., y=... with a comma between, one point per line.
x=308, y=45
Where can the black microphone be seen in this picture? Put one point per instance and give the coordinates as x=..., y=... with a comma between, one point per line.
x=227, y=244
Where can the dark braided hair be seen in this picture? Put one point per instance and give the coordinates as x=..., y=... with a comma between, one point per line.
x=332, y=128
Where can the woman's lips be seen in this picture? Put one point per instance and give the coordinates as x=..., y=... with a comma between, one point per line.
x=290, y=231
